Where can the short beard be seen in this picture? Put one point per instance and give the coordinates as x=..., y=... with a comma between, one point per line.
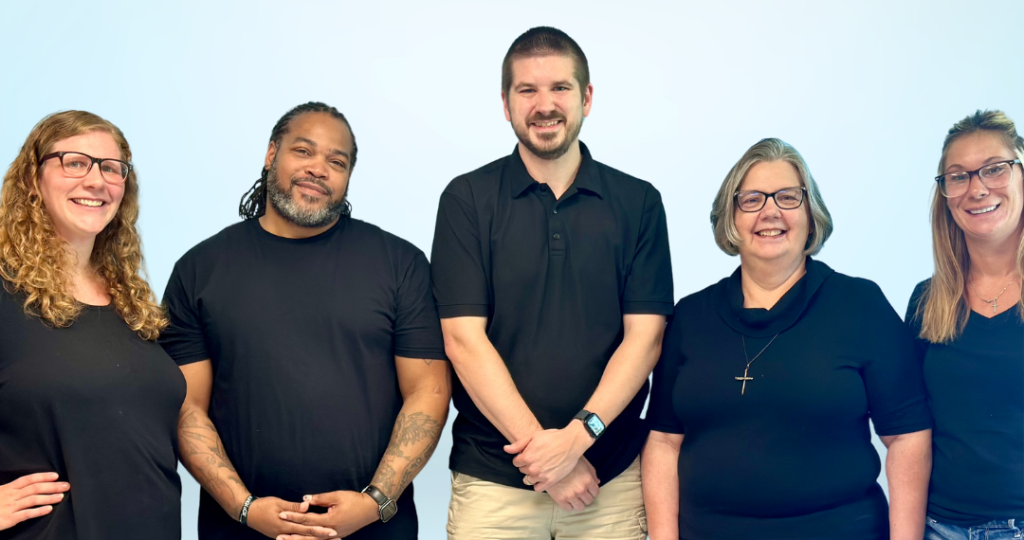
x=572, y=133
x=284, y=203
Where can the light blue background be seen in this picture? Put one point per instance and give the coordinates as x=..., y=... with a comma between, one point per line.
x=865, y=90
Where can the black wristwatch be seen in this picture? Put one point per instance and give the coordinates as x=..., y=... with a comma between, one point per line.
x=387, y=508
x=592, y=422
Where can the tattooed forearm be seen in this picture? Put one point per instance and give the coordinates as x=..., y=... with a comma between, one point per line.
x=203, y=454
x=413, y=440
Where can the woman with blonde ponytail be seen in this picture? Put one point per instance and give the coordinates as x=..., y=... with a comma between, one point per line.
x=88, y=400
x=968, y=318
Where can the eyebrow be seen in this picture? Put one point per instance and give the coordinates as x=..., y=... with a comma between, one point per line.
x=992, y=159
x=333, y=151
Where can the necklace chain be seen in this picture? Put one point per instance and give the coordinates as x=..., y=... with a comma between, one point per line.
x=746, y=370
x=993, y=302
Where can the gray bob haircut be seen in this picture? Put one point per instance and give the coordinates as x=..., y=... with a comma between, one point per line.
x=723, y=210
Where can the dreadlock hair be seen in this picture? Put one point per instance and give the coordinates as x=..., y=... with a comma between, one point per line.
x=254, y=201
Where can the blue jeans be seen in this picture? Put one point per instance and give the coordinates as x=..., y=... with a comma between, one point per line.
x=993, y=530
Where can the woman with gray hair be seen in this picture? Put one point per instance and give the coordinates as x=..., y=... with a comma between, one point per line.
x=760, y=404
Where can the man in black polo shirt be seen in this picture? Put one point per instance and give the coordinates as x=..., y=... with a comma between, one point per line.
x=553, y=280
x=312, y=351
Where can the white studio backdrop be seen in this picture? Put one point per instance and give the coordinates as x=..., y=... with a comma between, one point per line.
x=865, y=90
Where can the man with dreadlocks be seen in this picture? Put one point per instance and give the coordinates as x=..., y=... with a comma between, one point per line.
x=313, y=354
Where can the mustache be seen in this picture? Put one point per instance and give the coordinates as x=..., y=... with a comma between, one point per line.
x=313, y=180
x=545, y=117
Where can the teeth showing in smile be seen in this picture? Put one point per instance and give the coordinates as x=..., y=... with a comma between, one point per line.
x=545, y=124
x=88, y=202
x=983, y=210
x=773, y=232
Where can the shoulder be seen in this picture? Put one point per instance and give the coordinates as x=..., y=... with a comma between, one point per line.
x=699, y=303
x=216, y=244
x=854, y=291
x=392, y=242
x=469, y=185
x=627, y=184
x=914, y=305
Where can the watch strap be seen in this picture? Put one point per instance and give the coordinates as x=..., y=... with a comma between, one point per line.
x=386, y=506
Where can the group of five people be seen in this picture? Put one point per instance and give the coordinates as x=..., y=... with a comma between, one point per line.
x=313, y=349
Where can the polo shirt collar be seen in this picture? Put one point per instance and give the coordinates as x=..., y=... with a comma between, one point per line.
x=587, y=178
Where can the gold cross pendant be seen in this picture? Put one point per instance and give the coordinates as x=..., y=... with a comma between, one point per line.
x=744, y=378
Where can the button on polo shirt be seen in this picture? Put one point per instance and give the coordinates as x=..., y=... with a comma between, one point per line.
x=554, y=278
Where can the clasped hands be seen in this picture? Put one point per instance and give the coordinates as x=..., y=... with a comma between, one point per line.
x=552, y=460
x=347, y=512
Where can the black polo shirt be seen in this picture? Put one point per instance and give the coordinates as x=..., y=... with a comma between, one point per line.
x=554, y=278
x=303, y=334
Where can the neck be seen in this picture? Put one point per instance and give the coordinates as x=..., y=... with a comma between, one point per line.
x=994, y=259
x=274, y=223
x=765, y=282
x=86, y=285
x=558, y=173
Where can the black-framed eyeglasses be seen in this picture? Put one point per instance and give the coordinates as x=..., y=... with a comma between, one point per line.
x=754, y=201
x=77, y=165
x=993, y=176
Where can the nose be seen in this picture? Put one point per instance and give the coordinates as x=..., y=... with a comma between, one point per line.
x=977, y=189
x=771, y=208
x=545, y=102
x=317, y=167
x=94, y=178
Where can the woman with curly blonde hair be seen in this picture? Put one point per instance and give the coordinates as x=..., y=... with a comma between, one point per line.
x=968, y=317
x=88, y=401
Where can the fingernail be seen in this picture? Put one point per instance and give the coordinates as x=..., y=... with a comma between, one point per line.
x=307, y=498
x=65, y=485
x=281, y=515
x=333, y=533
x=61, y=495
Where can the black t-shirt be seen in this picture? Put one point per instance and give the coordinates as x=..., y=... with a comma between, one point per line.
x=303, y=336
x=554, y=278
x=792, y=458
x=977, y=399
x=98, y=405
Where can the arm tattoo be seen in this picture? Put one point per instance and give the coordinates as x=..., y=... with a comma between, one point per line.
x=417, y=433
x=203, y=454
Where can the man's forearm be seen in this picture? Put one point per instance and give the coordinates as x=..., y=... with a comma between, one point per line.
x=413, y=439
x=628, y=368
x=203, y=455
x=486, y=378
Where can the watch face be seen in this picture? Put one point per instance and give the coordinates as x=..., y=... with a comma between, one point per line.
x=388, y=511
x=595, y=424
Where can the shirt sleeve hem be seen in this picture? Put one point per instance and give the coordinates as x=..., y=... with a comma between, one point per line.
x=648, y=308
x=676, y=430
x=462, y=310
x=903, y=429
x=186, y=359
x=424, y=354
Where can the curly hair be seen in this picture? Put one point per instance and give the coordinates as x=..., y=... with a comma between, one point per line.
x=35, y=261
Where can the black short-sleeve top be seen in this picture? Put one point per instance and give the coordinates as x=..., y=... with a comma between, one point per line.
x=790, y=457
x=98, y=405
x=977, y=399
x=303, y=335
x=554, y=279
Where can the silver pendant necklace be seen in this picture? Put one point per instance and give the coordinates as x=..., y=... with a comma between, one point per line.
x=745, y=378
x=995, y=301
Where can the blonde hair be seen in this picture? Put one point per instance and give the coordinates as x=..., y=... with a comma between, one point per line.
x=723, y=221
x=944, y=309
x=34, y=260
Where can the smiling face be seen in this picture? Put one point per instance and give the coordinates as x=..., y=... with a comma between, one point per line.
x=772, y=234
x=309, y=171
x=984, y=214
x=80, y=208
x=546, y=104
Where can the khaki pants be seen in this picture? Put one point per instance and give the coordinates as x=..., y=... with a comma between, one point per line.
x=482, y=510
